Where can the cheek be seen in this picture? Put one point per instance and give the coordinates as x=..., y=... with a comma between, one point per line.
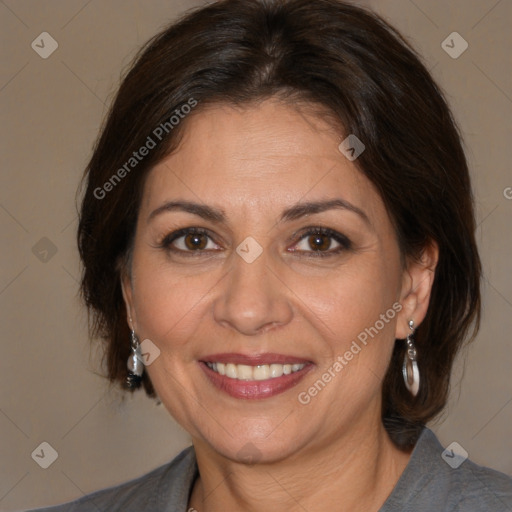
x=354, y=315
x=168, y=305
x=350, y=298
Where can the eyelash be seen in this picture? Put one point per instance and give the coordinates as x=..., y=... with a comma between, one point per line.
x=342, y=240
x=166, y=243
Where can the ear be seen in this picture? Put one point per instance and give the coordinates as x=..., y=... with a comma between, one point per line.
x=127, y=290
x=417, y=281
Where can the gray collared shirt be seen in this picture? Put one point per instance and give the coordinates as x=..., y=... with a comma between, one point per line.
x=428, y=484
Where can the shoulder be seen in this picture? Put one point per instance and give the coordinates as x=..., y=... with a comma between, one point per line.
x=478, y=487
x=152, y=491
x=484, y=487
x=438, y=479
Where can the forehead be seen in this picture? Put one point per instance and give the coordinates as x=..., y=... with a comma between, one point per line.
x=263, y=156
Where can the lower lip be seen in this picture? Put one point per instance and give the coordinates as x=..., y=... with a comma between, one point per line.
x=254, y=389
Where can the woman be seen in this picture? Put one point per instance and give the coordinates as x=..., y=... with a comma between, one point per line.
x=277, y=236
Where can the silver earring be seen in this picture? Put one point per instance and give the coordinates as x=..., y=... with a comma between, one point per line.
x=135, y=365
x=410, y=366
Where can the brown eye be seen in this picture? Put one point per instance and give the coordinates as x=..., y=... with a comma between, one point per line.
x=189, y=240
x=194, y=241
x=319, y=242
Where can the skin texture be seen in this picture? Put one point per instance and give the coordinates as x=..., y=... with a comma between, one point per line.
x=254, y=163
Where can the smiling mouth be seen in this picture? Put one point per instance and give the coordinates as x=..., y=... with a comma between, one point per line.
x=254, y=373
x=254, y=376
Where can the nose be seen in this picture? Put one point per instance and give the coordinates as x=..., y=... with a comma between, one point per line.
x=253, y=299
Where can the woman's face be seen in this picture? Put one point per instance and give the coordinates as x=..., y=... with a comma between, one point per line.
x=260, y=246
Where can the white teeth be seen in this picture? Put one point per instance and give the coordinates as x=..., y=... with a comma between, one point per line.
x=276, y=370
x=259, y=372
x=244, y=372
x=231, y=371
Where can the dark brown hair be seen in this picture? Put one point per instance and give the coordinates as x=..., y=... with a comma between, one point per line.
x=355, y=66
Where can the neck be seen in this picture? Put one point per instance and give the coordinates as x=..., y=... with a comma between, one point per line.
x=355, y=471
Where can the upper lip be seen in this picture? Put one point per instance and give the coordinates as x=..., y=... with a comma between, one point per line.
x=254, y=359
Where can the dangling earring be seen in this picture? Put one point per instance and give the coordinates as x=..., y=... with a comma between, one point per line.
x=135, y=365
x=410, y=366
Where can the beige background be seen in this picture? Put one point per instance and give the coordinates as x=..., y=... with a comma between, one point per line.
x=51, y=112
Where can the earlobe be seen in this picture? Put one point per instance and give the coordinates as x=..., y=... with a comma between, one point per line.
x=417, y=282
x=126, y=289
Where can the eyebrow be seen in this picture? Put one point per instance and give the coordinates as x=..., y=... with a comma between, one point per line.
x=206, y=212
x=302, y=209
x=295, y=212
